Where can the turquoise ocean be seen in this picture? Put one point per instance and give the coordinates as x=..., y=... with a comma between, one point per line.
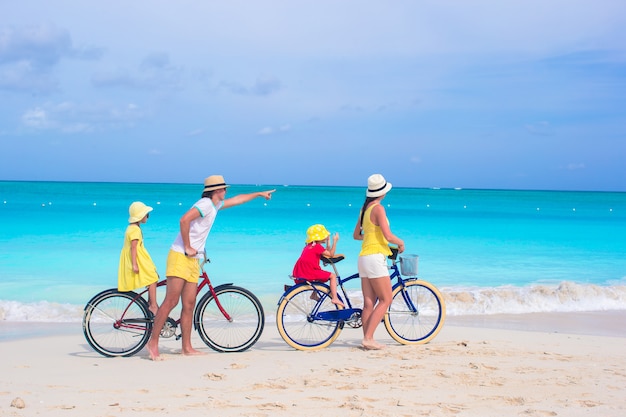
x=489, y=251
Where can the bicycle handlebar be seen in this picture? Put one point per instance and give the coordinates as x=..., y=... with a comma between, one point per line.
x=202, y=258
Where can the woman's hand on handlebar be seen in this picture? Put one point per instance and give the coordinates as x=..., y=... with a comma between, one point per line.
x=398, y=246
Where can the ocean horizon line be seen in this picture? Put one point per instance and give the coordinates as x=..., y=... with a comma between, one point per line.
x=434, y=188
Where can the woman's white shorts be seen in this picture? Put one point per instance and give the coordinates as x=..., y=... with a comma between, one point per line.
x=373, y=266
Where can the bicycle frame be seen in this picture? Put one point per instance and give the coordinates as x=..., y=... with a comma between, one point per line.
x=228, y=318
x=307, y=320
x=348, y=312
x=203, y=281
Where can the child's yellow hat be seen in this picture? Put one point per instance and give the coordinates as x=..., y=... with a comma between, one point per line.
x=138, y=211
x=316, y=232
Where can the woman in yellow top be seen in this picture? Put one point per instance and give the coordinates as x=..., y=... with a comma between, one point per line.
x=136, y=267
x=373, y=229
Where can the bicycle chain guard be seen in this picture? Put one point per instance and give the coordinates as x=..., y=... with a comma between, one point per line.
x=169, y=328
x=350, y=316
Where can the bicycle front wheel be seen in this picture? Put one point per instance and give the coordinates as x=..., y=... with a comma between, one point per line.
x=416, y=313
x=297, y=324
x=117, y=323
x=246, y=323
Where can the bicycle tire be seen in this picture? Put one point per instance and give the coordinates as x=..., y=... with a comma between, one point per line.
x=247, y=319
x=295, y=323
x=415, y=327
x=117, y=323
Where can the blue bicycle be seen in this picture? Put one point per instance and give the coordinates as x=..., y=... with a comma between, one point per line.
x=307, y=319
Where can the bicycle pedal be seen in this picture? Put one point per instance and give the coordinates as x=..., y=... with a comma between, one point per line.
x=169, y=328
x=355, y=321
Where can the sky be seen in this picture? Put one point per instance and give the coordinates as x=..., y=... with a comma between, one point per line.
x=472, y=94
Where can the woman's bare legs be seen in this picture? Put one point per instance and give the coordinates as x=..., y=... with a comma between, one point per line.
x=373, y=312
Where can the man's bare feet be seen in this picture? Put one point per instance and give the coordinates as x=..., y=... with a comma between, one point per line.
x=193, y=352
x=371, y=345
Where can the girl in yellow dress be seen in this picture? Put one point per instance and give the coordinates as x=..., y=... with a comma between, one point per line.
x=136, y=267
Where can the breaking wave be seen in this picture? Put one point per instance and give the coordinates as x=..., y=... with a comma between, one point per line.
x=538, y=298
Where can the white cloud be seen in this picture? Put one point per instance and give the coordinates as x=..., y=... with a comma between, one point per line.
x=540, y=128
x=36, y=118
x=269, y=130
x=263, y=86
x=68, y=117
x=30, y=54
x=196, y=132
x=575, y=166
x=42, y=45
x=266, y=131
x=154, y=72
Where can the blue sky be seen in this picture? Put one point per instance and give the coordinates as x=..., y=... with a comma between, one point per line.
x=474, y=94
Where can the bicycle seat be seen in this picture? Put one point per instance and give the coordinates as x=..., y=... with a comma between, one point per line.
x=332, y=260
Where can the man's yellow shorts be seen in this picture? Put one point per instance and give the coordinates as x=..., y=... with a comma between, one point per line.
x=181, y=266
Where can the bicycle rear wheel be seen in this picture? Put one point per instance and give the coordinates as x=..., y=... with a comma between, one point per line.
x=296, y=323
x=117, y=323
x=417, y=318
x=244, y=328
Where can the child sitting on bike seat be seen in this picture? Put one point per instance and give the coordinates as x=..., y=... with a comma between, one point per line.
x=308, y=268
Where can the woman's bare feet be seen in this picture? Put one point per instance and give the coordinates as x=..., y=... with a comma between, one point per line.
x=371, y=345
x=153, y=309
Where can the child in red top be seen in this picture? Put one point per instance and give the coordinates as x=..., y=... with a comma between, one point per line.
x=308, y=265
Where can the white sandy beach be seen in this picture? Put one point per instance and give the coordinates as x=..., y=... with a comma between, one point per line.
x=472, y=368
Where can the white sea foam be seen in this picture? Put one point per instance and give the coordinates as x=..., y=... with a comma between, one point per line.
x=564, y=297
x=538, y=298
x=41, y=311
